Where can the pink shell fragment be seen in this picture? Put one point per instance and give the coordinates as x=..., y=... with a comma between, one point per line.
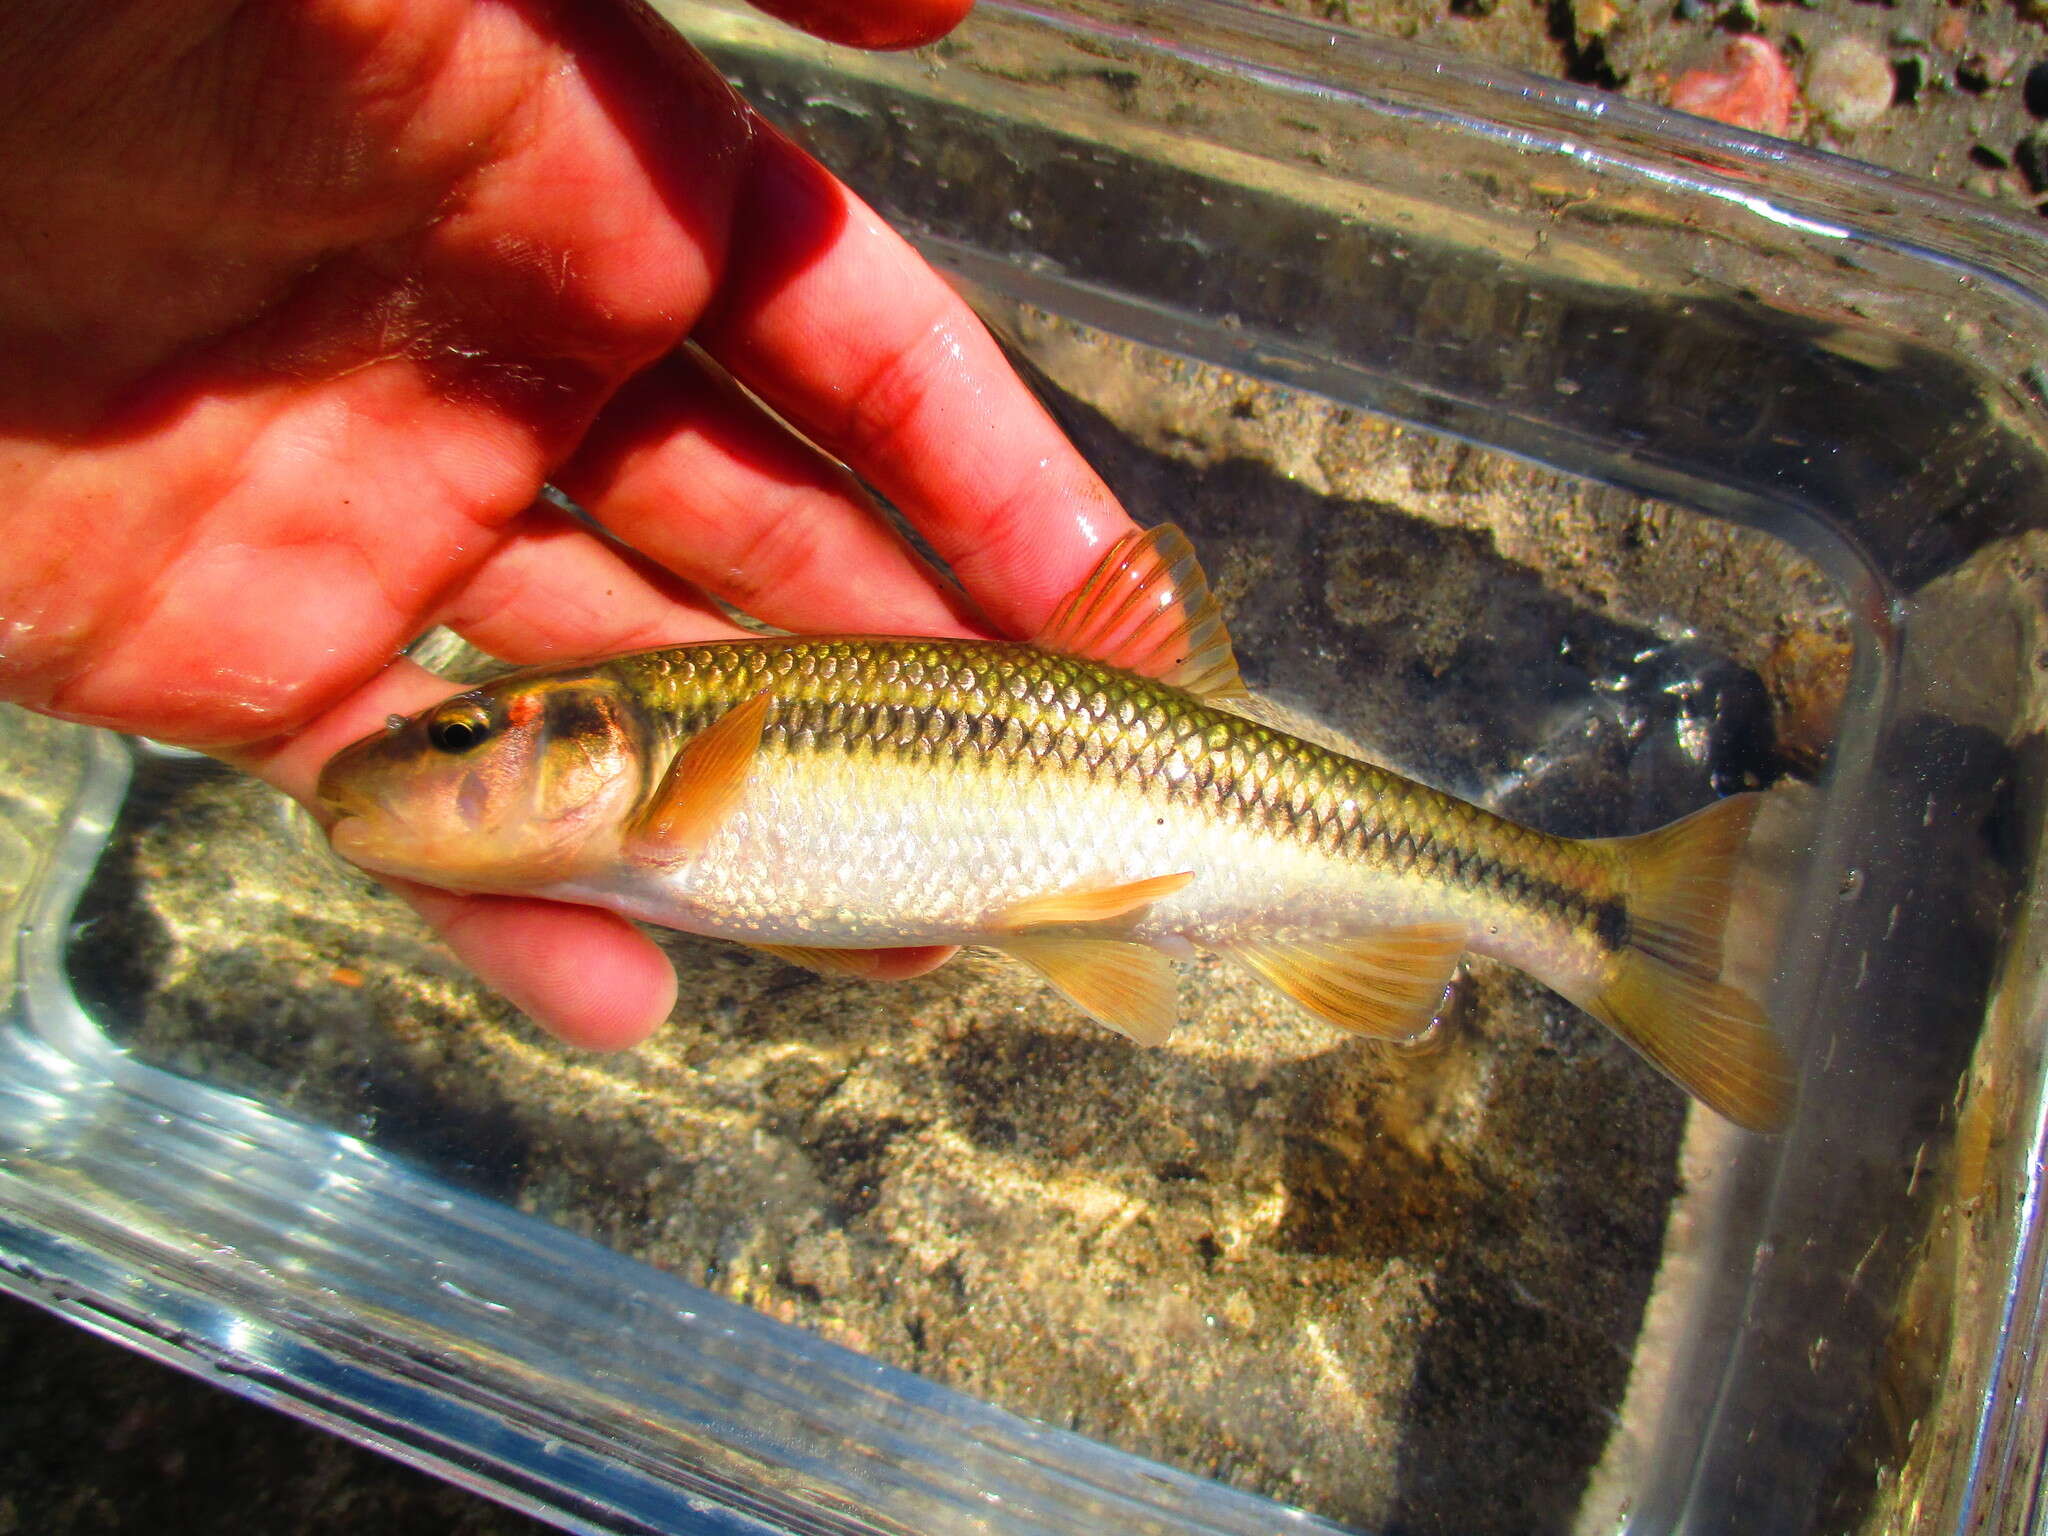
x=1752, y=88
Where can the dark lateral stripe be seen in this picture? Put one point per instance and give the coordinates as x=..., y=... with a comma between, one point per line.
x=1463, y=865
x=961, y=703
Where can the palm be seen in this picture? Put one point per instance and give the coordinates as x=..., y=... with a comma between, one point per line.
x=309, y=301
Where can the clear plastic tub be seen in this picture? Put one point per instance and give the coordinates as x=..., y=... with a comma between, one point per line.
x=1582, y=460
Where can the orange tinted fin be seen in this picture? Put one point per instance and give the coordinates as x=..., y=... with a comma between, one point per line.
x=1090, y=904
x=860, y=964
x=1147, y=608
x=1678, y=882
x=1388, y=983
x=1126, y=986
x=1666, y=995
x=1711, y=1039
x=702, y=785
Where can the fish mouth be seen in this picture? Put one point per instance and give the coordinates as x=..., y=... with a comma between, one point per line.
x=339, y=799
x=334, y=813
x=354, y=819
x=344, y=836
x=350, y=828
x=371, y=840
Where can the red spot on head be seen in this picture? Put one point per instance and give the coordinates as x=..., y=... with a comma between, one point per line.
x=522, y=709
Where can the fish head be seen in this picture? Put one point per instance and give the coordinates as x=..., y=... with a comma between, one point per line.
x=506, y=788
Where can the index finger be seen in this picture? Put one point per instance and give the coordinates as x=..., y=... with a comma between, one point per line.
x=831, y=317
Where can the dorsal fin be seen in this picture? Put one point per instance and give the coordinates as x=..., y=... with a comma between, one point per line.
x=1147, y=608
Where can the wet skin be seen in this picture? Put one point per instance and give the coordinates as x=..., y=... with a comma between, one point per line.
x=300, y=306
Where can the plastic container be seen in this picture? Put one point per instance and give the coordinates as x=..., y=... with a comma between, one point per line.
x=1775, y=511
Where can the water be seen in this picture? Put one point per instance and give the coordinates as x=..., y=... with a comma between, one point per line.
x=1415, y=1292
x=1405, y=1290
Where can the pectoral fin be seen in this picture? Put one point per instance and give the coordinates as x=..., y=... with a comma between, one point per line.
x=1090, y=904
x=1388, y=983
x=701, y=786
x=1126, y=986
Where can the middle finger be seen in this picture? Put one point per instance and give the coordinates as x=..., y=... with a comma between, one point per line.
x=687, y=467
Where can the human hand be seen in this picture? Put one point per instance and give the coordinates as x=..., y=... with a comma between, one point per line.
x=300, y=305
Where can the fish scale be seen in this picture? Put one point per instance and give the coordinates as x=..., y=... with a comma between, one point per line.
x=1089, y=803
x=971, y=724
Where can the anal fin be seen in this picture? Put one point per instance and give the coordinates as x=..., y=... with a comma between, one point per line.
x=1129, y=987
x=1388, y=983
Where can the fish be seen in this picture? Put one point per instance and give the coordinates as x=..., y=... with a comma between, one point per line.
x=1095, y=803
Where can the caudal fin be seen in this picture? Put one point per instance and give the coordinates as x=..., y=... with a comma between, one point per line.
x=1668, y=995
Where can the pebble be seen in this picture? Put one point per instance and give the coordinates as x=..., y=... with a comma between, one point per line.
x=1850, y=83
x=1807, y=677
x=1594, y=18
x=1752, y=88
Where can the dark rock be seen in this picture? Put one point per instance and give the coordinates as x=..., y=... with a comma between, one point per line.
x=1979, y=71
x=1909, y=76
x=2031, y=156
x=2036, y=89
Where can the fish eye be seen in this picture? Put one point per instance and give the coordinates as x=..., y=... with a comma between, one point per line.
x=459, y=726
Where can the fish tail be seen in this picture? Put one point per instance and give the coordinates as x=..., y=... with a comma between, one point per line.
x=1666, y=992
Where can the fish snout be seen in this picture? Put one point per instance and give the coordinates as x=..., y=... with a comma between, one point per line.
x=339, y=795
x=362, y=825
